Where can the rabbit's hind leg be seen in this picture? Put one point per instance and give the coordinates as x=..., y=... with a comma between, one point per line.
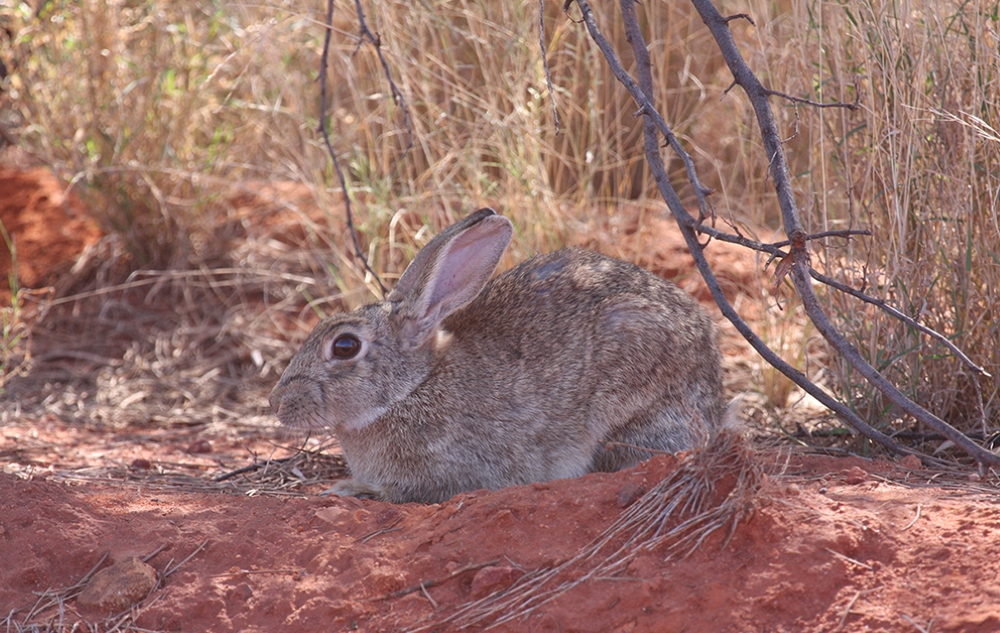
x=647, y=434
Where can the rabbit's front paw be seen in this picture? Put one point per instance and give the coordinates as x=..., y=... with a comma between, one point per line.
x=355, y=488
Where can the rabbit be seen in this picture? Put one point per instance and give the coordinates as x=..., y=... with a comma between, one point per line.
x=563, y=365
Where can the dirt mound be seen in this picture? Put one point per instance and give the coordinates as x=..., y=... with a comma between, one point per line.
x=837, y=544
x=49, y=228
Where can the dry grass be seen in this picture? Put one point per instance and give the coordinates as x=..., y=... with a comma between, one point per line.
x=287, y=476
x=925, y=169
x=154, y=110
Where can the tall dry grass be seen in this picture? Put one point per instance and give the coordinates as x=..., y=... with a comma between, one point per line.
x=155, y=106
x=920, y=167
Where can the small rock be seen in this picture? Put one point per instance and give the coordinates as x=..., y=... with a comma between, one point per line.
x=241, y=593
x=793, y=489
x=119, y=587
x=332, y=514
x=628, y=494
x=856, y=475
x=199, y=447
x=492, y=579
x=974, y=477
x=911, y=461
x=390, y=515
x=141, y=464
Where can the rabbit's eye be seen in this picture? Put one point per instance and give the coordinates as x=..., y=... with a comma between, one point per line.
x=345, y=346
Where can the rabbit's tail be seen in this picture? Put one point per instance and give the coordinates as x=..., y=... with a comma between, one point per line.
x=732, y=417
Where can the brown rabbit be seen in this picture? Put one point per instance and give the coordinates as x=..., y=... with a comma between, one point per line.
x=456, y=382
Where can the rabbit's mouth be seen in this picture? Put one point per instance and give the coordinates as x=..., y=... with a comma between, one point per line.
x=298, y=412
x=357, y=422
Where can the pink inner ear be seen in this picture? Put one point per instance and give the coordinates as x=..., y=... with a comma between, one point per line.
x=467, y=263
x=461, y=268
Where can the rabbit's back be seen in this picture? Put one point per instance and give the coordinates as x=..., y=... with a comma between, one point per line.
x=598, y=339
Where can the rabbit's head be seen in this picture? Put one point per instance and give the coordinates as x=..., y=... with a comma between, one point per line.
x=355, y=366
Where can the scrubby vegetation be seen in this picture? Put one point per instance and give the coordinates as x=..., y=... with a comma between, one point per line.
x=154, y=110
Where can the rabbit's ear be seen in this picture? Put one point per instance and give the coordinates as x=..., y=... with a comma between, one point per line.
x=451, y=270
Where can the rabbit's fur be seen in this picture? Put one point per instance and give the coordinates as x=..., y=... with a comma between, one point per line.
x=461, y=383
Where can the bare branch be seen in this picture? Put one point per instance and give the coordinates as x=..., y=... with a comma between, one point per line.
x=758, y=95
x=775, y=251
x=722, y=236
x=545, y=65
x=687, y=222
x=824, y=234
x=741, y=16
x=882, y=305
x=365, y=35
x=816, y=104
x=324, y=63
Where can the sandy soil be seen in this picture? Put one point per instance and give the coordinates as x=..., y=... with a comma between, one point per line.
x=831, y=544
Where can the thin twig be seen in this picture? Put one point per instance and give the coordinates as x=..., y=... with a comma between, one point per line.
x=397, y=95
x=882, y=305
x=389, y=528
x=333, y=154
x=922, y=629
x=545, y=65
x=254, y=572
x=149, y=557
x=741, y=16
x=850, y=605
x=848, y=559
x=816, y=104
x=913, y=522
x=169, y=570
x=423, y=589
x=433, y=583
x=823, y=234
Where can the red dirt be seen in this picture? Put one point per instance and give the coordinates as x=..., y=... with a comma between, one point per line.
x=49, y=228
x=834, y=544
x=829, y=540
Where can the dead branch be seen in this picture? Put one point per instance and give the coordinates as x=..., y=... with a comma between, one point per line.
x=824, y=234
x=365, y=35
x=758, y=95
x=817, y=104
x=545, y=65
x=688, y=224
x=888, y=309
x=774, y=250
x=324, y=131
